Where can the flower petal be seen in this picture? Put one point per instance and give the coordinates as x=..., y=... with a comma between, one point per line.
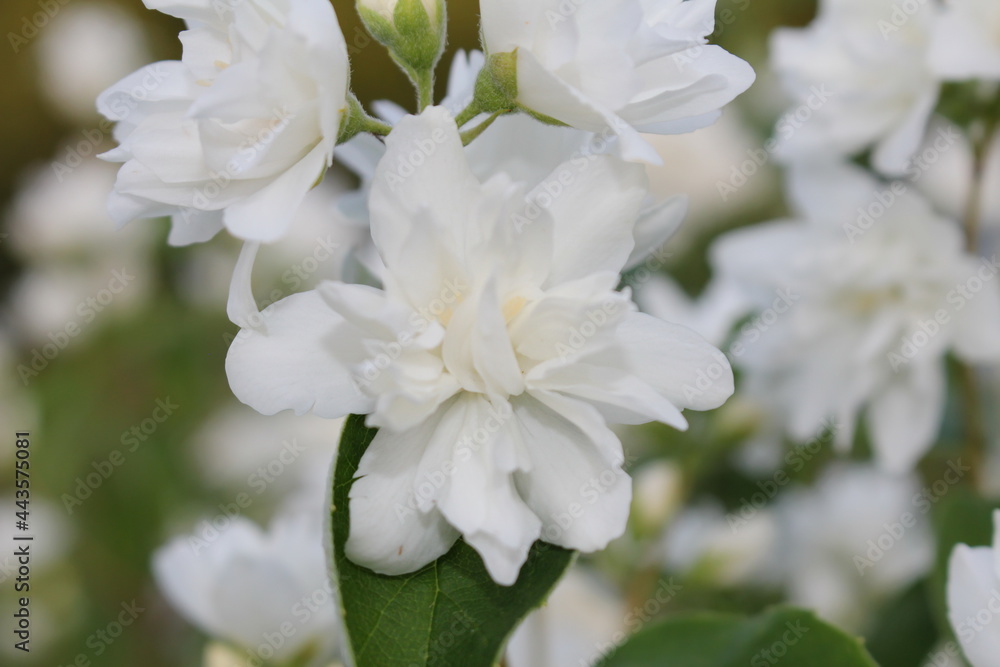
x=296, y=361
x=594, y=215
x=680, y=364
x=581, y=498
x=390, y=534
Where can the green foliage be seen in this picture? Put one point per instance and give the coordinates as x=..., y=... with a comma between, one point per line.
x=786, y=635
x=448, y=613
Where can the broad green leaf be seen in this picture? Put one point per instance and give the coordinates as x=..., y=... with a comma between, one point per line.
x=905, y=631
x=960, y=518
x=450, y=612
x=792, y=637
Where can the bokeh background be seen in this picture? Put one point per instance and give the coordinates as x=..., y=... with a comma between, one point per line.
x=161, y=340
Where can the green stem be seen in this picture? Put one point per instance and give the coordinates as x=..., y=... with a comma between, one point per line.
x=468, y=113
x=471, y=135
x=424, y=82
x=975, y=431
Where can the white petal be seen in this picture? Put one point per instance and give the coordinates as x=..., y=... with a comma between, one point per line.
x=973, y=595
x=542, y=91
x=893, y=154
x=390, y=534
x=582, y=499
x=266, y=215
x=655, y=227
x=424, y=172
x=906, y=417
x=978, y=322
x=295, y=361
x=480, y=498
x=508, y=24
x=242, y=308
x=193, y=226
x=594, y=216
x=677, y=362
x=700, y=84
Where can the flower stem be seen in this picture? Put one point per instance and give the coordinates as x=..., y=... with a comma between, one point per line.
x=471, y=135
x=424, y=82
x=975, y=431
x=468, y=113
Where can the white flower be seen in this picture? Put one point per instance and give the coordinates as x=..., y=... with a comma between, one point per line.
x=974, y=599
x=247, y=584
x=492, y=361
x=240, y=130
x=966, y=40
x=516, y=145
x=852, y=541
x=856, y=303
x=628, y=66
x=704, y=540
x=86, y=48
x=583, y=618
x=860, y=78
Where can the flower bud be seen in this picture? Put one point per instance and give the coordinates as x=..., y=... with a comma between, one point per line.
x=414, y=31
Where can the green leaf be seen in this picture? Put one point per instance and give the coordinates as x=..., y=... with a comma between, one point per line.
x=450, y=612
x=961, y=518
x=792, y=637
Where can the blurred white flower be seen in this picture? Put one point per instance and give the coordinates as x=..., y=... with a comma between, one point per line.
x=275, y=455
x=79, y=267
x=241, y=129
x=658, y=493
x=942, y=169
x=499, y=322
x=852, y=541
x=249, y=586
x=855, y=304
x=705, y=541
x=974, y=599
x=583, y=617
x=323, y=243
x=860, y=78
x=627, y=66
x=966, y=40
x=85, y=49
x=712, y=314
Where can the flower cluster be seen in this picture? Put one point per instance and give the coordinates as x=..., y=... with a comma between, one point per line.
x=494, y=346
